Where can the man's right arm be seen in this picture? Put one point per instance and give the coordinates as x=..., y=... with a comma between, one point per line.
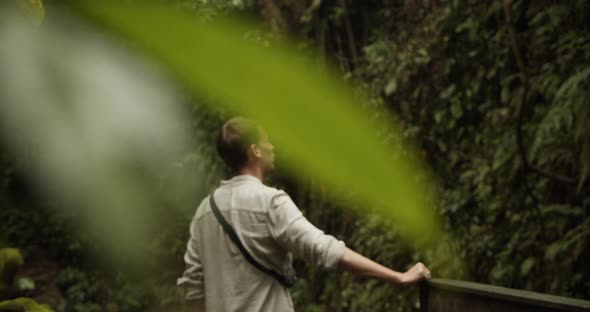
x=295, y=233
x=360, y=265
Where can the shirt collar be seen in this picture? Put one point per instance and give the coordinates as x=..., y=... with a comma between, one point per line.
x=240, y=179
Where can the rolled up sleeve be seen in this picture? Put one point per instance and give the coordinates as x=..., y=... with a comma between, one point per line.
x=296, y=234
x=192, y=278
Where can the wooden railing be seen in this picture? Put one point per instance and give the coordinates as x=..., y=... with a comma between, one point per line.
x=443, y=295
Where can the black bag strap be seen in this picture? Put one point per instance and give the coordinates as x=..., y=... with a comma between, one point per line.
x=229, y=230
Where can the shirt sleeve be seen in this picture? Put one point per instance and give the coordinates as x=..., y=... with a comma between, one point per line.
x=192, y=278
x=296, y=234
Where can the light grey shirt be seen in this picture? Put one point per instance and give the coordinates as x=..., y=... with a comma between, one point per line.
x=272, y=229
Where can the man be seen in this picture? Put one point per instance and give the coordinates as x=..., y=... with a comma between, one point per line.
x=271, y=229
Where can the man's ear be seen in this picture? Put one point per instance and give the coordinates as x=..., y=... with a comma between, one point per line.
x=255, y=151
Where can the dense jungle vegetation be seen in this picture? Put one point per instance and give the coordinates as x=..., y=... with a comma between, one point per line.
x=493, y=93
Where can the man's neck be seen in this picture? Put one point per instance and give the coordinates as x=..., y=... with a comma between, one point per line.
x=256, y=172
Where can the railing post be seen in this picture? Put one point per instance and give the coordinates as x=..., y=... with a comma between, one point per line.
x=424, y=297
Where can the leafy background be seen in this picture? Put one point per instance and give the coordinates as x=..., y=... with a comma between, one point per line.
x=504, y=130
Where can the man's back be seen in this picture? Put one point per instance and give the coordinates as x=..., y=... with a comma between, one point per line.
x=271, y=228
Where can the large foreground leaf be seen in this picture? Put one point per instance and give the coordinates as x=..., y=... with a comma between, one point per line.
x=313, y=118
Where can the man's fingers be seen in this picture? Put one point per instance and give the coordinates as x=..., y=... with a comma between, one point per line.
x=427, y=274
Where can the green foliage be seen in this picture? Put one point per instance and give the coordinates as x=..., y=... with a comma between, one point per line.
x=81, y=290
x=24, y=305
x=453, y=78
x=11, y=261
x=89, y=291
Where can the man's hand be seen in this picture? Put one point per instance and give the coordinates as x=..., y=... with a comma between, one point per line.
x=415, y=274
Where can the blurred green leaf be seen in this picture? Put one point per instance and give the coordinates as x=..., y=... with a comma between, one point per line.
x=94, y=129
x=314, y=118
x=33, y=8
